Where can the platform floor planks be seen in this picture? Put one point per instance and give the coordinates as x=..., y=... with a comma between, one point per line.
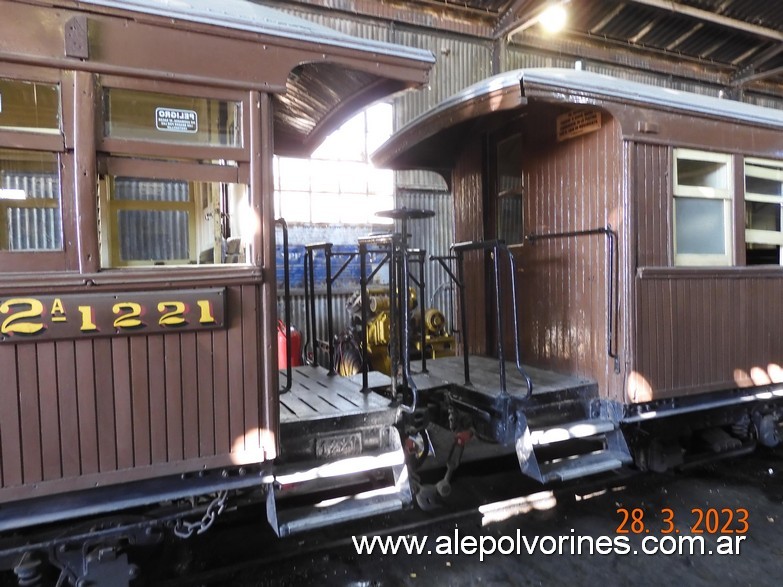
x=315, y=395
x=485, y=377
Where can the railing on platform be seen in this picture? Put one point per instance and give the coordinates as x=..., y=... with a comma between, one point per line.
x=497, y=247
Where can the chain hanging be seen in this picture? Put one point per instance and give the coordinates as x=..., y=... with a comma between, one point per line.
x=184, y=529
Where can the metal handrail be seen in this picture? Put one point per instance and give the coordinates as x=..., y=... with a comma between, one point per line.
x=611, y=301
x=286, y=305
x=496, y=246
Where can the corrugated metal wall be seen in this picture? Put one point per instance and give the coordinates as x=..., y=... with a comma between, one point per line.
x=158, y=235
x=435, y=236
x=460, y=63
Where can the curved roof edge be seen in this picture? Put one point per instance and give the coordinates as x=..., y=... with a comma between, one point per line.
x=252, y=17
x=408, y=147
x=606, y=86
x=399, y=151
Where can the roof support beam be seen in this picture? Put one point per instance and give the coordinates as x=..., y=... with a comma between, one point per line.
x=713, y=18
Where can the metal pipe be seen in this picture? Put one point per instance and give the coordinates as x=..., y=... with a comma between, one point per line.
x=286, y=304
x=499, y=319
x=463, y=314
x=517, y=349
x=364, y=301
x=327, y=247
x=611, y=302
x=406, y=318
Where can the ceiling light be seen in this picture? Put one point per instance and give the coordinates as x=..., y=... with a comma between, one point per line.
x=554, y=18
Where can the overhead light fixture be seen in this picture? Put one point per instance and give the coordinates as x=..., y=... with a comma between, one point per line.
x=552, y=16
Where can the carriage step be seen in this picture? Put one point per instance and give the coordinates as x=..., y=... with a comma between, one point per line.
x=358, y=506
x=308, y=495
x=583, y=465
x=571, y=431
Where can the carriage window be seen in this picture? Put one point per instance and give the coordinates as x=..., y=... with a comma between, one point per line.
x=137, y=115
x=29, y=106
x=763, y=209
x=702, y=208
x=30, y=201
x=150, y=221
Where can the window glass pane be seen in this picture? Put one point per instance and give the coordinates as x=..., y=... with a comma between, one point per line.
x=711, y=174
x=30, y=201
x=131, y=114
x=763, y=186
x=700, y=226
x=762, y=216
x=29, y=105
x=169, y=222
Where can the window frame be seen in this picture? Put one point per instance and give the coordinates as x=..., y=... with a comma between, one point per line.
x=53, y=142
x=110, y=167
x=761, y=236
x=162, y=149
x=724, y=194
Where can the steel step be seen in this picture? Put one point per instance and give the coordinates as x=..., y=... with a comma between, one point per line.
x=583, y=465
x=571, y=431
x=320, y=515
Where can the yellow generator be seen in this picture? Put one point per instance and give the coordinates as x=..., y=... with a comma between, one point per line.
x=437, y=341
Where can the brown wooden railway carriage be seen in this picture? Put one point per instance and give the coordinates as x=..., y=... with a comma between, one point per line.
x=137, y=285
x=646, y=228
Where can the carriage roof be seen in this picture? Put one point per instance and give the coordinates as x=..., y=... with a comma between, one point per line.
x=256, y=18
x=513, y=89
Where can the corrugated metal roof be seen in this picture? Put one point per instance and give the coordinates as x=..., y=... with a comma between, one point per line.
x=249, y=16
x=743, y=37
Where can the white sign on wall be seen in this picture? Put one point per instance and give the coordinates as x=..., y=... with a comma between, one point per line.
x=176, y=120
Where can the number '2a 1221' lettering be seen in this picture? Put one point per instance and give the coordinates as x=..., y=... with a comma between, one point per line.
x=70, y=316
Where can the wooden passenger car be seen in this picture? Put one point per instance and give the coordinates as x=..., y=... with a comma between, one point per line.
x=646, y=226
x=137, y=277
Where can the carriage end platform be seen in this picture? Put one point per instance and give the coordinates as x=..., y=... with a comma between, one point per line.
x=341, y=455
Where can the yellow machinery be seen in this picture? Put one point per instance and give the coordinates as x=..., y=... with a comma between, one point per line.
x=437, y=341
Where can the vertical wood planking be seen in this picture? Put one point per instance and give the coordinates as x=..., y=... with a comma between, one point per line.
x=29, y=413
x=157, y=394
x=190, y=428
x=104, y=404
x=123, y=402
x=69, y=407
x=88, y=416
x=220, y=348
x=140, y=398
x=251, y=354
x=51, y=453
x=702, y=331
x=173, y=394
x=235, y=376
x=206, y=394
x=10, y=433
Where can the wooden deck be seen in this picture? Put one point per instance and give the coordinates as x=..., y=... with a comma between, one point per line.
x=485, y=378
x=317, y=395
